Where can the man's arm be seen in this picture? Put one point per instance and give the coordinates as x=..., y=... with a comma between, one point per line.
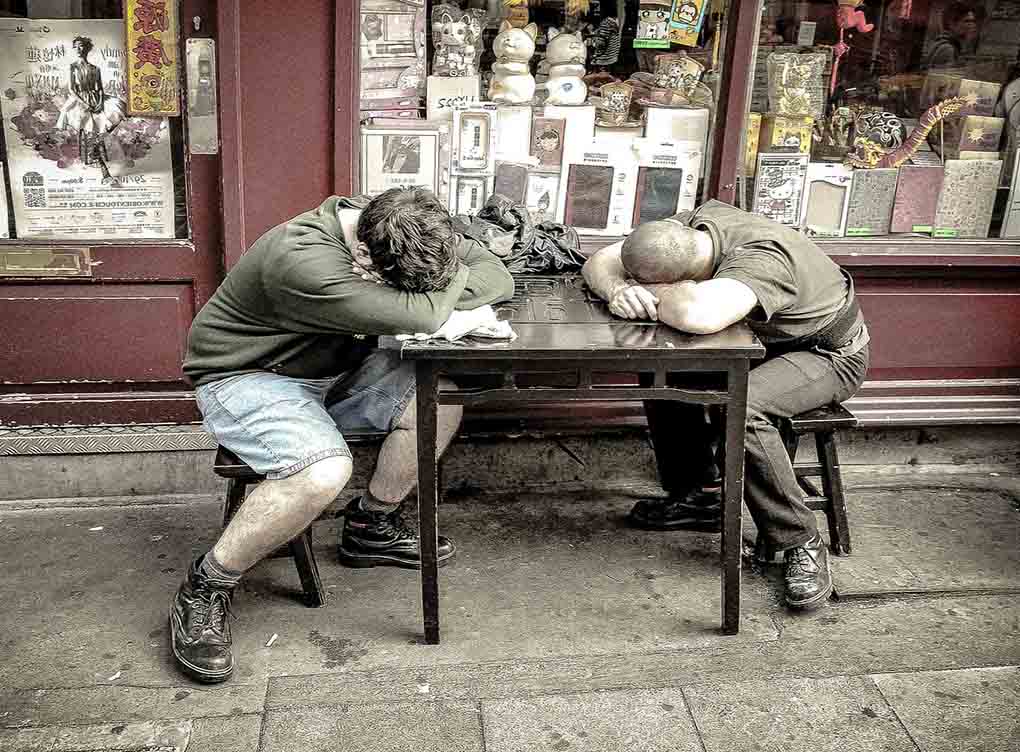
x=704, y=307
x=488, y=279
x=344, y=302
x=606, y=276
x=604, y=272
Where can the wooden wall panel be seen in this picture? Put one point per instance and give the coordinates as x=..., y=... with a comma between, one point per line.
x=277, y=114
x=112, y=333
x=940, y=328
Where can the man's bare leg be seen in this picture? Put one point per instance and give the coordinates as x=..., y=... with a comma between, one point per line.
x=372, y=535
x=396, y=469
x=277, y=510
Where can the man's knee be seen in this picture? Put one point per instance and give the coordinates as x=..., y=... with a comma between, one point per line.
x=322, y=481
x=409, y=418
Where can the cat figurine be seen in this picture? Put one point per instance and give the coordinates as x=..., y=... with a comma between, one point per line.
x=565, y=55
x=512, y=82
x=456, y=38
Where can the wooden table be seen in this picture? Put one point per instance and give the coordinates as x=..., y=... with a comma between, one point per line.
x=563, y=329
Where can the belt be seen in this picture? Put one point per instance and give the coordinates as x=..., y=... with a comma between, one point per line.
x=837, y=332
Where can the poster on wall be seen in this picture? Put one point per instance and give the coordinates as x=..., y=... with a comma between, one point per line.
x=5, y=218
x=153, y=68
x=79, y=167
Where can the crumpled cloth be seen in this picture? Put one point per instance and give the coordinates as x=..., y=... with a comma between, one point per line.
x=505, y=227
x=478, y=322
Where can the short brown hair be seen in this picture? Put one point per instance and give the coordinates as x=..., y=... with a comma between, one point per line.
x=410, y=237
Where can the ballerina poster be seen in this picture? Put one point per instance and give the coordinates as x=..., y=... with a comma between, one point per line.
x=79, y=167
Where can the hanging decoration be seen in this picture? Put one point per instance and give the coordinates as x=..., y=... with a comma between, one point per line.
x=152, y=58
x=848, y=16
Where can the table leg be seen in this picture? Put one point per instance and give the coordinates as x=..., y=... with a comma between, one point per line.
x=733, y=496
x=428, y=496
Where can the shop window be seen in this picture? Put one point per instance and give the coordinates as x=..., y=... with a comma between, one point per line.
x=595, y=113
x=886, y=117
x=74, y=164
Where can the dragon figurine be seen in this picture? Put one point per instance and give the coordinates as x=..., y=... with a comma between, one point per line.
x=869, y=154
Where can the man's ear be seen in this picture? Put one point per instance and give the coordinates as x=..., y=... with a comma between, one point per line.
x=361, y=255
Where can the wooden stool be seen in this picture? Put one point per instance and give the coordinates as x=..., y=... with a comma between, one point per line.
x=823, y=422
x=239, y=476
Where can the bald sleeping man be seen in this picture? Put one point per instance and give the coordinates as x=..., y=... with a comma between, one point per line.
x=700, y=272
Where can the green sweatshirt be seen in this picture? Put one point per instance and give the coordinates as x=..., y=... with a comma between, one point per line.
x=294, y=305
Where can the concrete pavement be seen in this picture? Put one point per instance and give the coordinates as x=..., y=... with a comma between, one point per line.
x=562, y=630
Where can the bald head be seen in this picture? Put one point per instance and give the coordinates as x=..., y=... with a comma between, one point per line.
x=665, y=251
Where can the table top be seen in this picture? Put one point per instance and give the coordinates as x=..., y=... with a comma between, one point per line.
x=558, y=317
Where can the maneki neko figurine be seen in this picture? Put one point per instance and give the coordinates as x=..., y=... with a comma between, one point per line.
x=565, y=55
x=456, y=36
x=512, y=82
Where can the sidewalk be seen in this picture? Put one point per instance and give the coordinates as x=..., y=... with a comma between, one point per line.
x=562, y=630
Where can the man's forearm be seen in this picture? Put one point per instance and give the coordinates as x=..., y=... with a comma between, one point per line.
x=604, y=272
x=676, y=305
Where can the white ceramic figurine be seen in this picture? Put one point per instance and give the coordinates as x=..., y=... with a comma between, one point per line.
x=565, y=55
x=512, y=82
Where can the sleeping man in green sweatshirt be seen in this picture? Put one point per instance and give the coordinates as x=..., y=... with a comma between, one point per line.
x=284, y=358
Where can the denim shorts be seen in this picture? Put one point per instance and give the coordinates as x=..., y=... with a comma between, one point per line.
x=279, y=425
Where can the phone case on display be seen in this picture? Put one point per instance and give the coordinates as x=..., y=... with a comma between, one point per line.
x=917, y=194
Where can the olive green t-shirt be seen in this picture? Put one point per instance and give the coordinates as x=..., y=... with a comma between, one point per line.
x=800, y=290
x=293, y=304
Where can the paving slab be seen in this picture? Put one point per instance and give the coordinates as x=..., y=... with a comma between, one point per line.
x=153, y=736
x=302, y=730
x=843, y=639
x=930, y=537
x=973, y=710
x=840, y=714
x=101, y=703
x=646, y=720
x=233, y=734
x=421, y=726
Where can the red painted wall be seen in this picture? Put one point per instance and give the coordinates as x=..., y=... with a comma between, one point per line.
x=283, y=74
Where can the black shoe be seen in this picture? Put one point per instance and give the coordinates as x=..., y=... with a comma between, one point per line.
x=371, y=539
x=699, y=510
x=199, y=631
x=807, y=577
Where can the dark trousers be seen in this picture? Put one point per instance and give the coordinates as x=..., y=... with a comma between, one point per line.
x=686, y=440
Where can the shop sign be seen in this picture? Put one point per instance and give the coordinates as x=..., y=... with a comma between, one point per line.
x=152, y=57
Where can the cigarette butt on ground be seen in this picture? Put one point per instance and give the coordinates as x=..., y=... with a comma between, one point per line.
x=272, y=640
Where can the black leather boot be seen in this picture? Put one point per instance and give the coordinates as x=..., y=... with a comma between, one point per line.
x=199, y=631
x=807, y=577
x=371, y=539
x=698, y=510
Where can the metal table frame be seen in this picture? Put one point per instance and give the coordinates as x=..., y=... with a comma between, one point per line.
x=725, y=354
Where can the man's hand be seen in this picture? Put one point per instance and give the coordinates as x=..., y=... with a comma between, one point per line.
x=634, y=302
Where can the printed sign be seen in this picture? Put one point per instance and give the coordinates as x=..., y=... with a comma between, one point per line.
x=79, y=167
x=153, y=60
x=685, y=21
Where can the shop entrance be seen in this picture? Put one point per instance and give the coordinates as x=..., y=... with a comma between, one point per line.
x=110, y=227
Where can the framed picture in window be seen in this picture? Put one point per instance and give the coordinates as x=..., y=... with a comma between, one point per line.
x=408, y=155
